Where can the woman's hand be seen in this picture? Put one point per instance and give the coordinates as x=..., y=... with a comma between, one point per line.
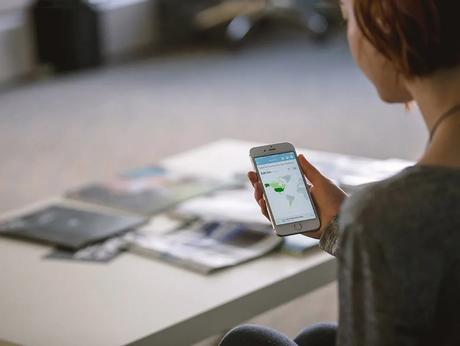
x=327, y=196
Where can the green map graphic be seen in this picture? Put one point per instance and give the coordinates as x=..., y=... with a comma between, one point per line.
x=279, y=185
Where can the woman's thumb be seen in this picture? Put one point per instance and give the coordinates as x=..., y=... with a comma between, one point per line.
x=309, y=170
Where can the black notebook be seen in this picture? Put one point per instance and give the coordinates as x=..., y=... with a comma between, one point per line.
x=68, y=227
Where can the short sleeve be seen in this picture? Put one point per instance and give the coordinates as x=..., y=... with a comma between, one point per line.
x=389, y=279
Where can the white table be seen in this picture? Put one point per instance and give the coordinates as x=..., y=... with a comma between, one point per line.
x=139, y=301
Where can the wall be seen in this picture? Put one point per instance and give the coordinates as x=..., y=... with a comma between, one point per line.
x=16, y=44
x=128, y=30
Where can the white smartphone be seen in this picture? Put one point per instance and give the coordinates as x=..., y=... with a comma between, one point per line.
x=290, y=206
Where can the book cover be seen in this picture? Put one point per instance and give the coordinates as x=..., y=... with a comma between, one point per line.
x=68, y=227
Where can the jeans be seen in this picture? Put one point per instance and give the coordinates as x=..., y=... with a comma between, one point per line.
x=323, y=334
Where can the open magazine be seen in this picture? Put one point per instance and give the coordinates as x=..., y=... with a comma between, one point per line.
x=351, y=173
x=148, y=190
x=231, y=205
x=239, y=206
x=205, y=246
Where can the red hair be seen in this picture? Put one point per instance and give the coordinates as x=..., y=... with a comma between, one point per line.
x=417, y=36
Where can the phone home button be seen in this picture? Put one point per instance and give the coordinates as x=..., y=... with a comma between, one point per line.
x=298, y=226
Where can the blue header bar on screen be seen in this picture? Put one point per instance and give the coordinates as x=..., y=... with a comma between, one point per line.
x=263, y=160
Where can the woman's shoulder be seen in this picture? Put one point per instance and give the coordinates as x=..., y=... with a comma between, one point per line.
x=418, y=196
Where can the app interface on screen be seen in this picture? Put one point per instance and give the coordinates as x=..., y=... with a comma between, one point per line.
x=285, y=188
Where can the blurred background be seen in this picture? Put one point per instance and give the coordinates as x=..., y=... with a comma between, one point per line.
x=91, y=88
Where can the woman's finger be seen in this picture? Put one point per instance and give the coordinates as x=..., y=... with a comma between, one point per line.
x=258, y=193
x=309, y=170
x=252, y=177
x=263, y=208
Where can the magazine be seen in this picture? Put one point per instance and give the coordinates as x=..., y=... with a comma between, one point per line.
x=111, y=248
x=101, y=252
x=205, y=246
x=235, y=205
x=298, y=245
x=351, y=173
x=148, y=190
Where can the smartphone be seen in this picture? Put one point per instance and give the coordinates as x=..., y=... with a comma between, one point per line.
x=290, y=206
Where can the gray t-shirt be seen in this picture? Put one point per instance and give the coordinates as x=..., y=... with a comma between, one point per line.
x=398, y=246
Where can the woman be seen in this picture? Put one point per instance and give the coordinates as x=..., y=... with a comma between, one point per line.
x=397, y=241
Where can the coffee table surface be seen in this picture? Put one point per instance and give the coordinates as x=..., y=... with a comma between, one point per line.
x=142, y=301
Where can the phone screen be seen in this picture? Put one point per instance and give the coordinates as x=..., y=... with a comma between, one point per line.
x=285, y=188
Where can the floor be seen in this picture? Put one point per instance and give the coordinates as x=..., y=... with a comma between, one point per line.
x=59, y=133
x=291, y=318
